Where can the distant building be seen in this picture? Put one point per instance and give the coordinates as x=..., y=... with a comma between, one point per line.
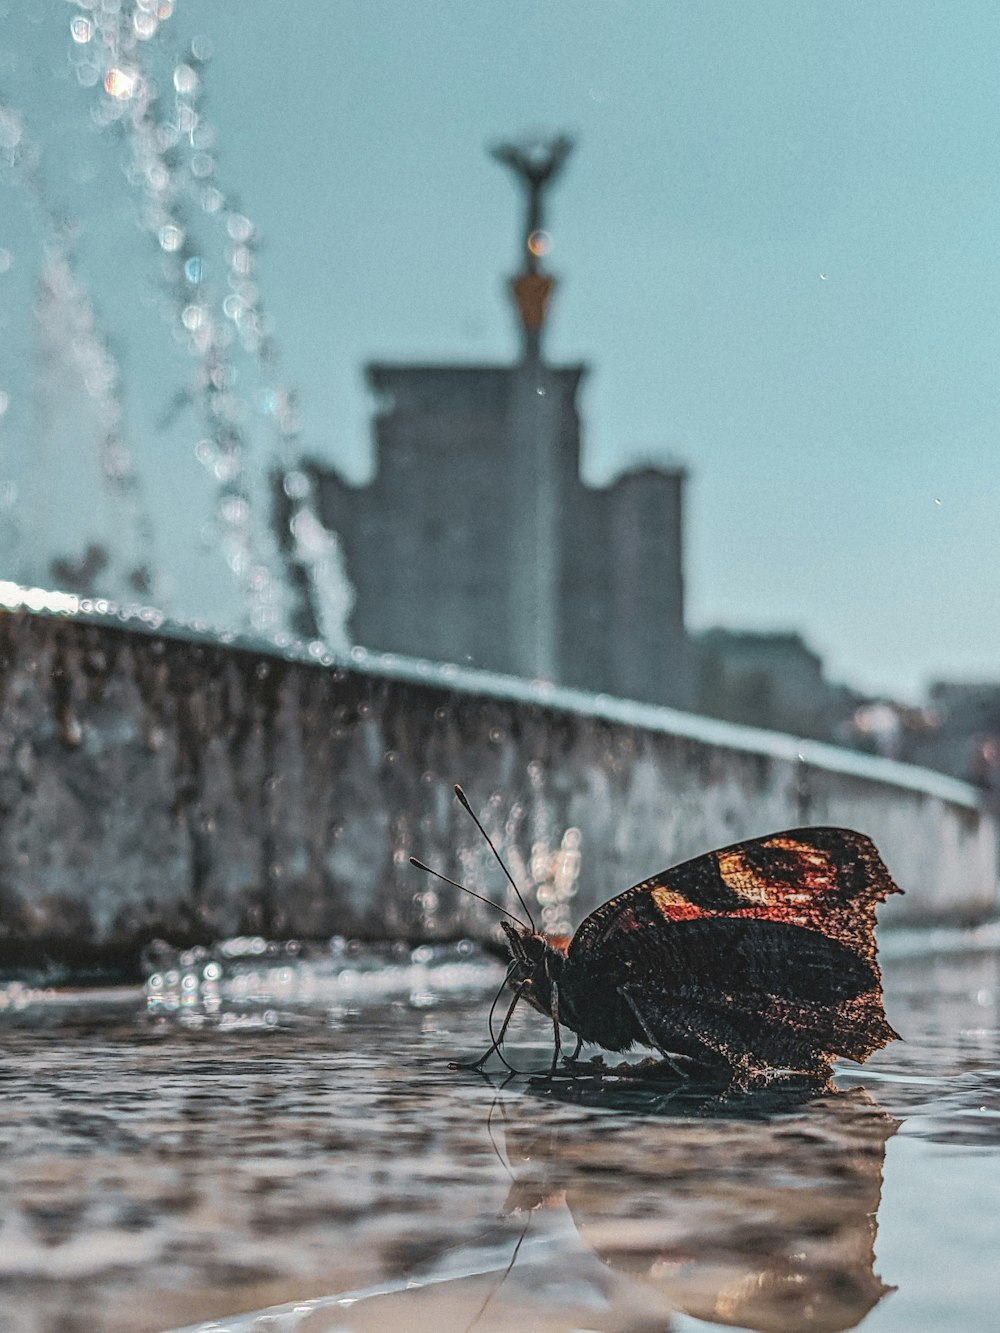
x=772, y=680
x=452, y=560
x=477, y=540
x=961, y=733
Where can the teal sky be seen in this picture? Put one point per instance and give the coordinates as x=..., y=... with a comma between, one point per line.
x=779, y=253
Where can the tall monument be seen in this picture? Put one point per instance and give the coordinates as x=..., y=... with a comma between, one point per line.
x=534, y=425
x=536, y=164
x=478, y=542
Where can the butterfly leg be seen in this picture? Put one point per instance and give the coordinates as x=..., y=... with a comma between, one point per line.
x=555, y=1026
x=477, y=1065
x=629, y=999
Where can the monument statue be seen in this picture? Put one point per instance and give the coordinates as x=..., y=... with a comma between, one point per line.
x=536, y=164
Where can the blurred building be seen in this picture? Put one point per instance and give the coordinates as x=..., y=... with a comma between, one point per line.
x=958, y=732
x=478, y=541
x=451, y=559
x=771, y=680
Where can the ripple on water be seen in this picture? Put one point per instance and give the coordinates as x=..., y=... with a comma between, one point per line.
x=329, y=1171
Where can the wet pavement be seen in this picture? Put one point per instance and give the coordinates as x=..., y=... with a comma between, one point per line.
x=300, y=1156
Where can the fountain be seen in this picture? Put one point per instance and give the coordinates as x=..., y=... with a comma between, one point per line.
x=125, y=106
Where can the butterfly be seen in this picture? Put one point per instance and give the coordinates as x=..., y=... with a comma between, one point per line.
x=752, y=960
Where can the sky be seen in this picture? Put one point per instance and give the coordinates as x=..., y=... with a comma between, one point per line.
x=778, y=251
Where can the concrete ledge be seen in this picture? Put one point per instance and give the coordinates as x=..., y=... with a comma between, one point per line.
x=153, y=784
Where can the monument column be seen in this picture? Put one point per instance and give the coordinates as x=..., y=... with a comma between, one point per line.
x=535, y=414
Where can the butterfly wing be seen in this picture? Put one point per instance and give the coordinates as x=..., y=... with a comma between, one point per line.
x=763, y=950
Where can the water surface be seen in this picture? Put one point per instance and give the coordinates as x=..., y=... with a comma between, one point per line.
x=289, y=1150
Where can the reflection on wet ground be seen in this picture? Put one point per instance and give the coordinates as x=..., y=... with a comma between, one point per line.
x=321, y=1168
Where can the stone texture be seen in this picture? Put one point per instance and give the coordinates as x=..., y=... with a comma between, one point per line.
x=154, y=786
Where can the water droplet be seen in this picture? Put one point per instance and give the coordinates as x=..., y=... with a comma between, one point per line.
x=240, y=228
x=233, y=510
x=11, y=128
x=194, y=269
x=121, y=84
x=159, y=178
x=87, y=74
x=171, y=237
x=81, y=29
x=185, y=80
x=225, y=468
x=296, y=485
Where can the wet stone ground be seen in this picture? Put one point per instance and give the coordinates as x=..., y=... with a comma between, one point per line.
x=304, y=1159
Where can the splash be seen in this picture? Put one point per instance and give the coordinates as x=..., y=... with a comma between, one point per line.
x=247, y=981
x=141, y=81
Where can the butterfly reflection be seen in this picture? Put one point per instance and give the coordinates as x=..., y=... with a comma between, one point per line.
x=762, y=1216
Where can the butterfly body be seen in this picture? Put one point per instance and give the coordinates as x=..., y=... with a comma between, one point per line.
x=754, y=958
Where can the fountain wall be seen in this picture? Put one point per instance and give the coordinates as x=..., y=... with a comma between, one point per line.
x=153, y=785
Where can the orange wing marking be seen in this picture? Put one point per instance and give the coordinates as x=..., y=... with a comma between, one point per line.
x=742, y=879
x=674, y=906
x=816, y=872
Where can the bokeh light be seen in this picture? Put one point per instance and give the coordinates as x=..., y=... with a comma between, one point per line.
x=540, y=243
x=120, y=83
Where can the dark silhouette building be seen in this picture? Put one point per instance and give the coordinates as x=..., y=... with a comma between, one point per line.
x=478, y=542
x=769, y=679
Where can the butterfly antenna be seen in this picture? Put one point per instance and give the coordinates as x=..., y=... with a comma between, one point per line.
x=455, y=884
x=498, y=1038
x=489, y=1131
x=465, y=802
x=506, y=1274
